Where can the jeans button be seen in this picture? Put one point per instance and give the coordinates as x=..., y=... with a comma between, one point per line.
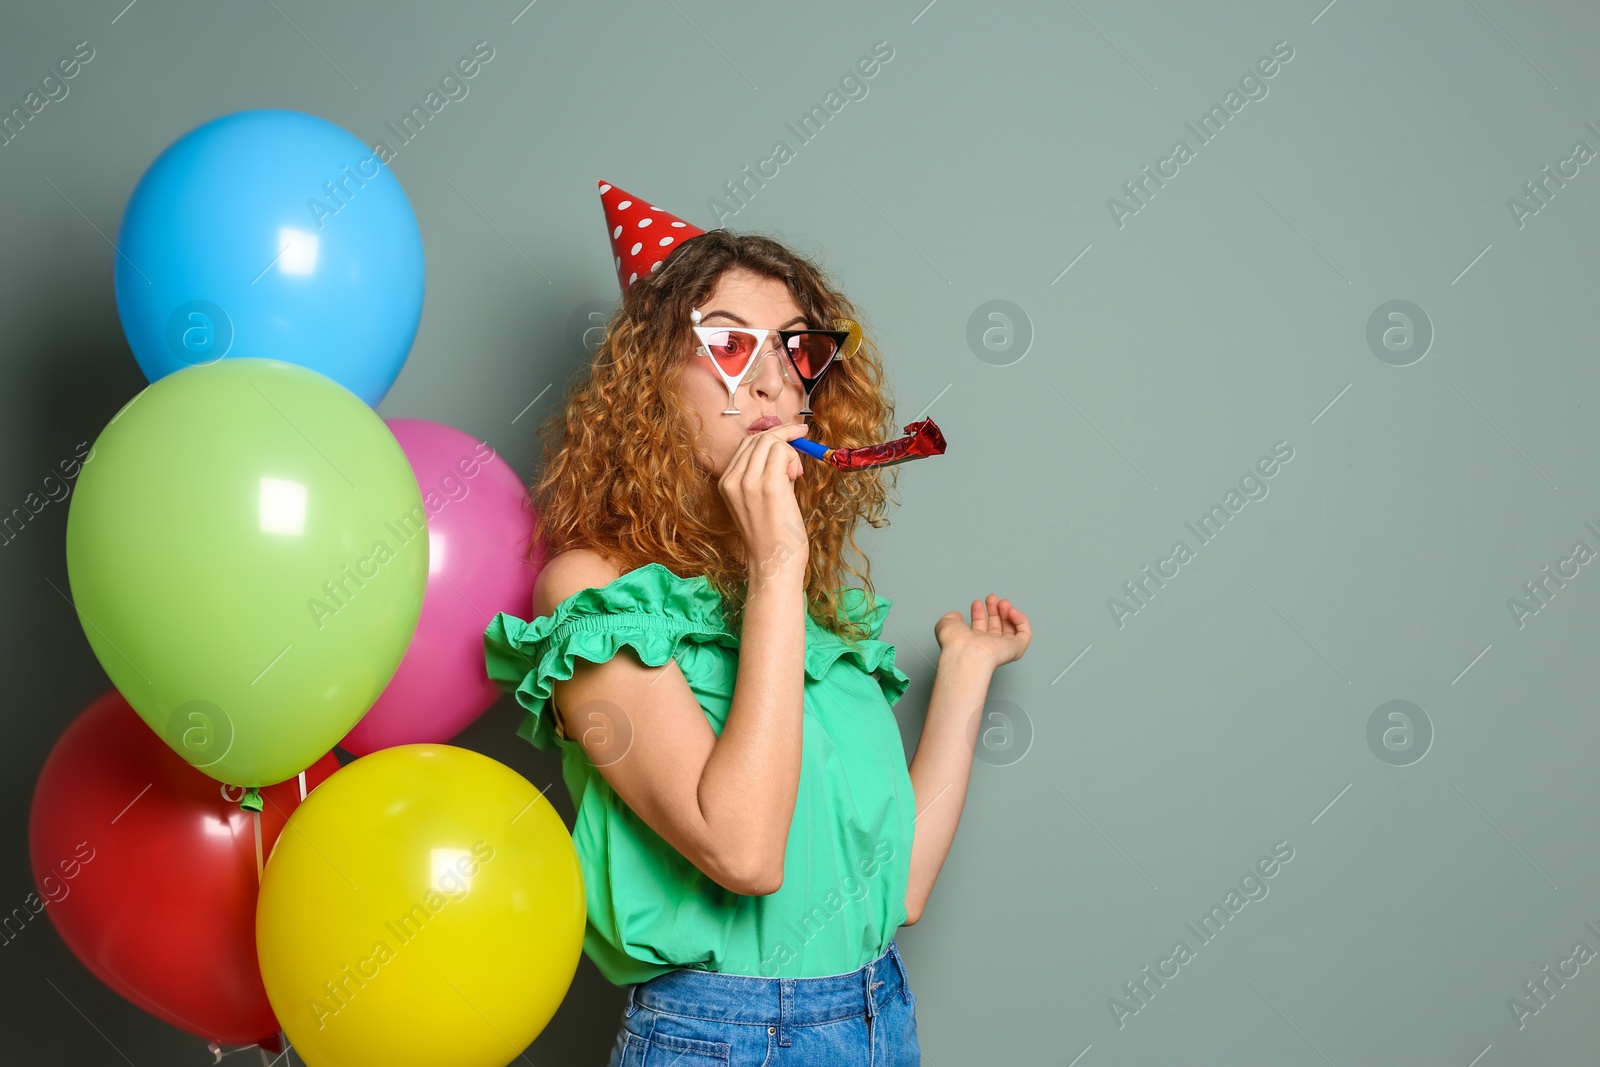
x=772, y=1029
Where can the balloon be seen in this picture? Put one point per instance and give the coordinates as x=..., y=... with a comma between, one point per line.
x=272, y=234
x=479, y=529
x=428, y=909
x=247, y=553
x=150, y=875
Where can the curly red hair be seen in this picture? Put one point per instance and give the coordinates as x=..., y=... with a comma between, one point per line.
x=620, y=476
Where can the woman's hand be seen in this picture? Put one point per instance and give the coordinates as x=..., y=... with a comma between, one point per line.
x=999, y=632
x=758, y=487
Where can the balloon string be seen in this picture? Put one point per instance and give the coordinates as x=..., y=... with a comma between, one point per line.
x=217, y=1053
x=255, y=817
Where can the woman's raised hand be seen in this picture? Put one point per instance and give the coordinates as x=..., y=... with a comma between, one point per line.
x=758, y=487
x=998, y=633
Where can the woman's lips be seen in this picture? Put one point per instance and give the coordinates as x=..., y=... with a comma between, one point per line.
x=765, y=422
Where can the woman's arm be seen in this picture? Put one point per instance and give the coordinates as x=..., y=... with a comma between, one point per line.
x=943, y=765
x=749, y=783
x=724, y=803
x=968, y=655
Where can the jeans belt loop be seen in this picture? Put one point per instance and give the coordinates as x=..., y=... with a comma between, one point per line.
x=900, y=965
x=632, y=1003
x=785, y=1012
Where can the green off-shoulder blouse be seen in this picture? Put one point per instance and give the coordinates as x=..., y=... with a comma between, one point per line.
x=849, y=849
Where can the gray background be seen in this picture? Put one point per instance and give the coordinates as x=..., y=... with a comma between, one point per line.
x=1132, y=773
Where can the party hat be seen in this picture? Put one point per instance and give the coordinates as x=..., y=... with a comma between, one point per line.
x=642, y=235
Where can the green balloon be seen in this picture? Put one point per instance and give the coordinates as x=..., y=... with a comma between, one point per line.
x=248, y=552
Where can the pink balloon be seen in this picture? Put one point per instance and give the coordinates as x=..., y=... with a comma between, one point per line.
x=479, y=526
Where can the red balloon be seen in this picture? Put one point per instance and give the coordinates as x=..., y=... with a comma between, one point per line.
x=149, y=874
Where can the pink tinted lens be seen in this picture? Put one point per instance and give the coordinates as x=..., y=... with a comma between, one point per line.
x=732, y=350
x=812, y=352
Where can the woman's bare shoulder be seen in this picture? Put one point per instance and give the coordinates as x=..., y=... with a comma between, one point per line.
x=568, y=572
x=562, y=575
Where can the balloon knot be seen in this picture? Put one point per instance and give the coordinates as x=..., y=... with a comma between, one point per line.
x=251, y=801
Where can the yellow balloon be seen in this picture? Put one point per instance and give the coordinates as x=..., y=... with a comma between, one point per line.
x=423, y=906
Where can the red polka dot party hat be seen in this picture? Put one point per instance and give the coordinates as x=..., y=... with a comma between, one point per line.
x=642, y=235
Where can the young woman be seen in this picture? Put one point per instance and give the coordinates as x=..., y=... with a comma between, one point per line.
x=750, y=835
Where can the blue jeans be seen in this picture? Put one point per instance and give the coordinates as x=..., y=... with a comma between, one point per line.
x=695, y=1018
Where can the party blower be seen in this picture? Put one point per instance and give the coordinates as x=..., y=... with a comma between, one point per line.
x=924, y=439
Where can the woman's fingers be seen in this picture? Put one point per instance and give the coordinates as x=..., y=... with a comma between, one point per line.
x=794, y=468
x=1018, y=625
x=775, y=448
x=736, y=465
x=762, y=458
x=779, y=452
x=758, y=485
x=755, y=452
x=998, y=616
x=994, y=614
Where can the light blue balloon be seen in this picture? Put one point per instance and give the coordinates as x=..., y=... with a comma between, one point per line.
x=272, y=234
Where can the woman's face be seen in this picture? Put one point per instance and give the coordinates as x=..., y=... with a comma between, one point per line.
x=742, y=298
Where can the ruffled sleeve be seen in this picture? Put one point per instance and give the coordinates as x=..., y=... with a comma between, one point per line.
x=874, y=656
x=650, y=609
